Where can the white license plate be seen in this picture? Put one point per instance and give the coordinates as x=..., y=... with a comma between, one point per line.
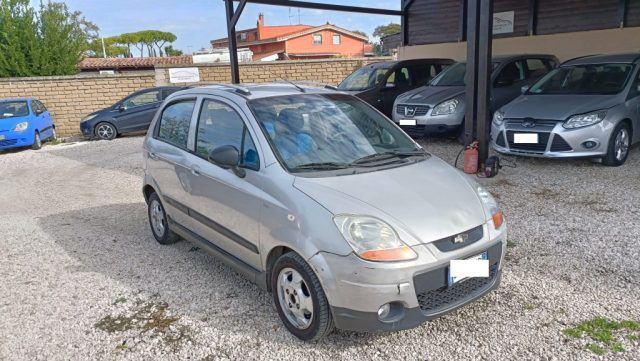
x=1, y=137
x=525, y=138
x=461, y=269
x=407, y=122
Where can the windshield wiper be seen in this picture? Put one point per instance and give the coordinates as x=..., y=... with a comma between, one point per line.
x=387, y=155
x=321, y=166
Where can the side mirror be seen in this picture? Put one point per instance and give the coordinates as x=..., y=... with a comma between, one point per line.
x=39, y=112
x=122, y=108
x=227, y=157
x=524, y=89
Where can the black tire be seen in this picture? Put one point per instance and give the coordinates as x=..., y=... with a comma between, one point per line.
x=321, y=320
x=166, y=236
x=105, y=131
x=613, y=158
x=54, y=135
x=37, y=142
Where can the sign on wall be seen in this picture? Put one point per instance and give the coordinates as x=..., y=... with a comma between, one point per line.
x=503, y=22
x=184, y=75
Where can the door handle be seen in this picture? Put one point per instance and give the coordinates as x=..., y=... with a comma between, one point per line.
x=195, y=171
x=153, y=156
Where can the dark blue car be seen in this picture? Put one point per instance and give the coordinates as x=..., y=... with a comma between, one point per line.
x=24, y=122
x=131, y=114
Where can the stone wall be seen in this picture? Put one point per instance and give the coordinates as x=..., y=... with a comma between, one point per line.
x=70, y=98
x=327, y=71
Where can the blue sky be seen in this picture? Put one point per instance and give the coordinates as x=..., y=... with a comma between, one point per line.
x=195, y=22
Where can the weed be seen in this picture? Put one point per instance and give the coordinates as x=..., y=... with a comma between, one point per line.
x=511, y=244
x=528, y=306
x=120, y=300
x=595, y=349
x=602, y=330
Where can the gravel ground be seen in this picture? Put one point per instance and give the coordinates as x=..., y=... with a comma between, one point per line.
x=84, y=279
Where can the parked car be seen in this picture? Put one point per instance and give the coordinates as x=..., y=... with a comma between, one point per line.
x=320, y=199
x=131, y=114
x=24, y=122
x=380, y=83
x=440, y=106
x=588, y=107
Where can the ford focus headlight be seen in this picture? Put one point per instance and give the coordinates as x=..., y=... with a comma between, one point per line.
x=585, y=120
x=498, y=118
x=21, y=127
x=446, y=107
x=491, y=207
x=89, y=117
x=372, y=239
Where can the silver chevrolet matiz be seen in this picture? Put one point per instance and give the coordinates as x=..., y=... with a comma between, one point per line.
x=321, y=200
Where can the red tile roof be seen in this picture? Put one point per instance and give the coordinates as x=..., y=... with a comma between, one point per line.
x=132, y=63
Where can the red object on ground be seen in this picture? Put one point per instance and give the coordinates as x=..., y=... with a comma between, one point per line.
x=471, y=159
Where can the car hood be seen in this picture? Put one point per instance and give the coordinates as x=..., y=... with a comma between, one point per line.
x=9, y=124
x=557, y=107
x=431, y=95
x=429, y=200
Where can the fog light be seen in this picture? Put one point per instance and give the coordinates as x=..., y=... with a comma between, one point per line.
x=589, y=144
x=383, y=311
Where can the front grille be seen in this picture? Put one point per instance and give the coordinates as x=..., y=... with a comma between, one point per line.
x=560, y=145
x=538, y=124
x=418, y=110
x=540, y=147
x=448, y=244
x=8, y=142
x=500, y=139
x=434, y=301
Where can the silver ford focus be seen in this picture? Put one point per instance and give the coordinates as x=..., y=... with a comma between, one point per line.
x=588, y=107
x=321, y=200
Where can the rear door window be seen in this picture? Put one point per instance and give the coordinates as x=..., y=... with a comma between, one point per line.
x=537, y=68
x=511, y=73
x=220, y=125
x=399, y=78
x=149, y=97
x=423, y=73
x=173, y=126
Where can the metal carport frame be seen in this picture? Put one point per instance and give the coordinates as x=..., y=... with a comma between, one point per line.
x=478, y=34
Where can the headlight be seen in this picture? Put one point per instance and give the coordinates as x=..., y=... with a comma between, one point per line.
x=89, y=117
x=446, y=107
x=491, y=206
x=498, y=118
x=21, y=127
x=373, y=239
x=584, y=120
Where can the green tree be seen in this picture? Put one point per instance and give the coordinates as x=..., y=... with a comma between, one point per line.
x=111, y=44
x=170, y=51
x=384, y=30
x=49, y=41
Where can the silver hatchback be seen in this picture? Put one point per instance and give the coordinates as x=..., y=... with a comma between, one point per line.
x=321, y=200
x=588, y=107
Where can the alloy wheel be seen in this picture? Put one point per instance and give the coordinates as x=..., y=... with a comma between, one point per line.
x=157, y=218
x=105, y=131
x=295, y=299
x=621, y=145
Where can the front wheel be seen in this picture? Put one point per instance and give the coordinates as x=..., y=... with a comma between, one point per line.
x=37, y=142
x=302, y=304
x=618, y=149
x=106, y=131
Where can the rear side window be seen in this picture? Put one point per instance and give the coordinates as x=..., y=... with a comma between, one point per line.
x=423, y=73
x=511, y=73
x=399, y=78
x=220, y=125
x=537, y=67
x=635, y=88
x=145, y=98
x=174, y=123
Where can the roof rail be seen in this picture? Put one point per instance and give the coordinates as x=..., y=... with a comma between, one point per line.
x=579, y=57
x=234, y=87
x=316, y=84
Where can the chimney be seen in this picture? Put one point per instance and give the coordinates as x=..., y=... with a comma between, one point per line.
x=260, y=25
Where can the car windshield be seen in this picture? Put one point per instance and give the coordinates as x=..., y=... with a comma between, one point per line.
x=13, y=109
x=454, y=75
x=363, y=78
x=311, y=132
x=584, y=79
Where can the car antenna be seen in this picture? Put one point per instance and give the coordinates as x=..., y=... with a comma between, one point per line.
x=302, y=90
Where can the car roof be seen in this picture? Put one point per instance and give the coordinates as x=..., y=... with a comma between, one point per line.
x=251, y=91
x=627, y=58
x=509, y=57
x=390, y=63
x=15, y=99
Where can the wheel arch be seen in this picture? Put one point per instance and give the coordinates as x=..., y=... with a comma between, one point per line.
x=147, y=191
x=272, y=256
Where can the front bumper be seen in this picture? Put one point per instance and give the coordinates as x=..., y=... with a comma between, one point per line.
x=87, y=129
x=417, y=290
x=16, y=140
x=425, y=122
x=554, y=141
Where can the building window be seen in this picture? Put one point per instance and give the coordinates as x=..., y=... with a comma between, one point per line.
x=317, y=39
x=336, y=39
x=243, y=36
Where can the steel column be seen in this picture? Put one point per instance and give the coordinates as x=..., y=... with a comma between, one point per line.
x=462, y=24
x=471, y=77
x=533, y=16
x=485, y=43
x=623, y=6
x=233, y=46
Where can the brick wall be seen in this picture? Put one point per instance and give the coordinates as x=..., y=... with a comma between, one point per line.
x=328, y=71
x=70, y=98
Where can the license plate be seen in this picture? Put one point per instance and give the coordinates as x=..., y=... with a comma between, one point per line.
x=1, y=137
x=407, y=122
x=525, y=138
x=461, y=269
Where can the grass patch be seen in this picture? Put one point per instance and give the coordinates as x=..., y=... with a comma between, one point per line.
x=120, y=300
x=604, y=332
x=511, y=244
x=528, y=307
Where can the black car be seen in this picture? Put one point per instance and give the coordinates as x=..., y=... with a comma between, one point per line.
x=131, y=114
x=380, y=83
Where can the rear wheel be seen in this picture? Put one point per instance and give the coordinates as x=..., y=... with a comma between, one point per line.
x=54, y=135
x=302, y=304
x=159, y=223
x=37, y=142
x=106, y=131
x=618, y=149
